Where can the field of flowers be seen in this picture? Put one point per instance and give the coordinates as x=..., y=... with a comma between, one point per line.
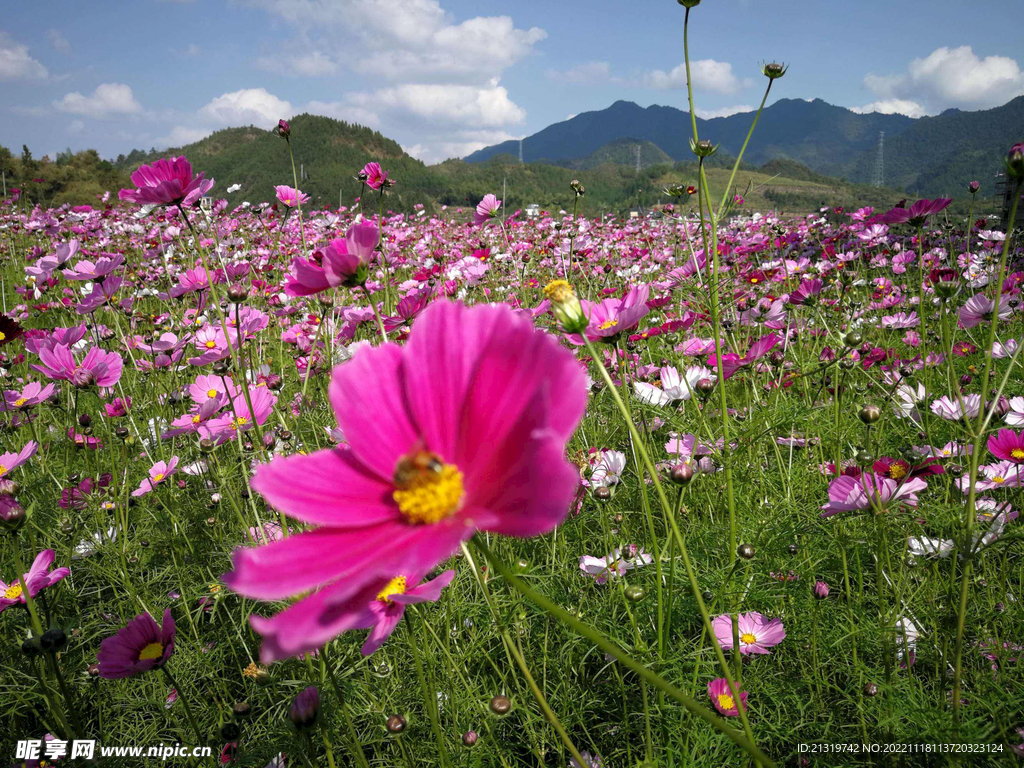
x=467, y=488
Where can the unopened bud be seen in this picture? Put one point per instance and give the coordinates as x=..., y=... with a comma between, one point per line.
x=774, y=70
x=566, y=307
x=703, y=148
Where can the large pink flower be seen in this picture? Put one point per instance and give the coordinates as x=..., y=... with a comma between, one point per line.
x=462, y=429
x=38, y=578
x=139, y=646
x=611, y=317
x=167, y=182
x=98, y=367
x=486, y=209
x=339, y=263
x=852, y=494
x=757, y=632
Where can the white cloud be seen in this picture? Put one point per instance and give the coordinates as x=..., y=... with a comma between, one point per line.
x=313, y=64
x=708, y=114
x=181, y=135
x=445, y=104
x=407, y=40
x=892, y=107
x=108, y=100
x=708, y=75
x=59, y=43
x=75, y=127
x=17, y=64
x=455, y=144
x=248, y=106
x=340, y=110
x=587, y=73
x=951, y=77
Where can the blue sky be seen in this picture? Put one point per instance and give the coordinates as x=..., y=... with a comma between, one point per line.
x=446, y=77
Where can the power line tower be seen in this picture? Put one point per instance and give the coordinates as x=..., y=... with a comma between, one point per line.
x=878, y=179
x=521, y=152
x=638, y=158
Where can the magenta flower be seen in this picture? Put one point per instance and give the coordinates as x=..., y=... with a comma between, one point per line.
x=11, y=461
x=33, y=394
x=980, y=308
x=378, y=606
x=611, y=317
x=290, y=197
x=375, y=177
x=98, y=367
x=158, y=473
x=915, y=215
x=757, y=632
x=1007, y=445
x=38, y=578
x=731, y=362
x=869, y=491
x=462, y=429
x=721, y=696
x=97, y=270
x=486, y=209
x=342, y=262
x=167, y=182
x=140, y=646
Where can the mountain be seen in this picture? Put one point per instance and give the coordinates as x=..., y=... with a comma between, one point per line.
x=940, y=155
x=817, y=134
x=623, y=152
x=929, y=156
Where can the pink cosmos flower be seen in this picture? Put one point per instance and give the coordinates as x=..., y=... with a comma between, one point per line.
x=731, y=362
x=952, y=409
x=611, y=317
x=118, y=408
x=167, y=182
x=33, y=394
x=486, y=209
x=980, y=308
x=757, y=633
x=462, y=429
x=339, y=263
x=916, y=214
x=98, y=367
x=615, y=564
x=1007, y=445
x=850, y=494
x=378, y=606
x=290, y=197
x=239, y=418
x=11, y=461
x=38, y=578
x=140, y=646
x=89, y=270
x=375, y=177
x=721, y=696
x=158, y=473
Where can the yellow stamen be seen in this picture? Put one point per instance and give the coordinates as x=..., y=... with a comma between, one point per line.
x=896, y=471
x=158, y=477
x=725, y=701
x=3, y=470
x=20, y=402
x=240, y=421
x=608, y=324
x=1017, y=453
x=999, y=479
x=211, y=344
x=151, y=652
x=211, y=393
x=427, y=490
x=394, y=587
x=747, y=638
x=3, y=336
x=558, y=291
x=14, y=591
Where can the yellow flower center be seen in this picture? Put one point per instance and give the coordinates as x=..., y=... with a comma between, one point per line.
x=394, y=587
x=251, y=671
x=241, y=421
x=747, y=638
x=999, y=479
x=753, y=280
x=158, y=477
x=196, y=419
x=211, y=393
x=558, y=291
x=608, y=324
x=20, y=402
x=1017, y=453
x=725, y=701
x=426, y=489
x=3, y=470
x=215, y=588
x=896, y=471
x=211, y=344
x=151, y=652
x=14, y=591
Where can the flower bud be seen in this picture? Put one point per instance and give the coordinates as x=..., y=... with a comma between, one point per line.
x=870, y=689
x=853, y=339
x=396, y=724
x=774, y=70
x=634, y=593
x=973, y=187
x=470, y=738
x=578, y=188
x=681, y=474
x=821, y=590
x=566, y=307
x=1015, y=161
x=689, y=3
x=237, y=293
x=305, y=708
x=746, y=551
x=869, y=414
x=500, y=705
x=703, y=148
x=53, y=639
x=283, y=129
